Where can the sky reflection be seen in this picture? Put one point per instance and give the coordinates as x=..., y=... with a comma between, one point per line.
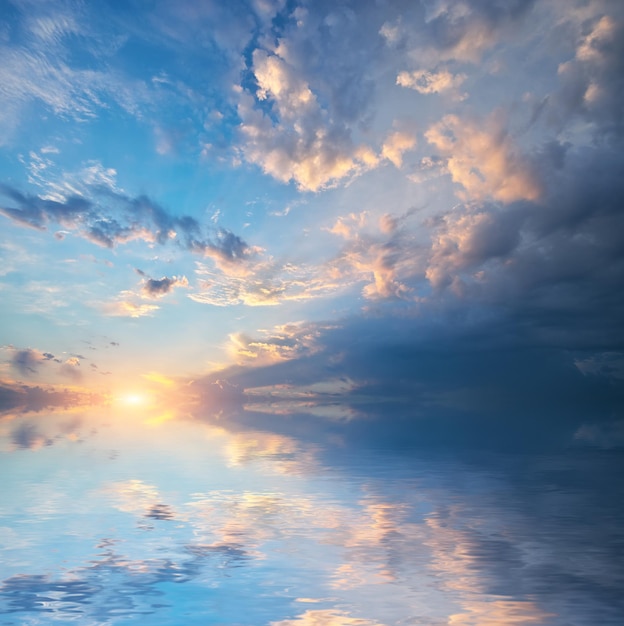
x=197, y=521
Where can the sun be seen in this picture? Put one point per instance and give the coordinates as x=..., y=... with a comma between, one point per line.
x=134, y=398
x=137, y=399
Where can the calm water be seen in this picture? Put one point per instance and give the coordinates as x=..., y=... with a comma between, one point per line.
x=115, y=517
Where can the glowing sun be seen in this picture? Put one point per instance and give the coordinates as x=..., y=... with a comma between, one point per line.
x=134, y=399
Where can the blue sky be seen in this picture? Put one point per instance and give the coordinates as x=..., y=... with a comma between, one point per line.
x=392, y=199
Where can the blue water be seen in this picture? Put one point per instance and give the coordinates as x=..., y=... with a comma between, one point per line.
x=118, y=517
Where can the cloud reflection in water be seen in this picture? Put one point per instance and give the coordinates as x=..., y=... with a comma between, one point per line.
x=204, y=519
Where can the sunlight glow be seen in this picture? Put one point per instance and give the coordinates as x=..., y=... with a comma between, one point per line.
x=134, y=399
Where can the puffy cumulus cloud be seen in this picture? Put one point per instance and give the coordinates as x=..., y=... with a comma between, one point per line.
x=302, y=145
x=466, y=239
x=70, y=369
x=592, y=83
x=430, y=82
x=559, y=256
x=386, y=256
x=349, y=226
x=395, y=145
x=482, y=158
x=157, y=288
x=307, y=114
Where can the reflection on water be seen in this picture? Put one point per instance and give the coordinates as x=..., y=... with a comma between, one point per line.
x=117, y=517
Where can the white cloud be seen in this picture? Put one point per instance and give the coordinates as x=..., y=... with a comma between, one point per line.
x=430, y=82
x=396, y=145
x=482, y=158
x=282, y=343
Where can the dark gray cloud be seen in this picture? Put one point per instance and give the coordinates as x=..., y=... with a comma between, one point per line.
x=451, y=377
x=110, y=219
x=37, y=212
x=553, y=265
x=226, y=247
x=156, y=288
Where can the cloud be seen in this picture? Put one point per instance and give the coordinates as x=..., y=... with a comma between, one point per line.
x=21, y=398
x=302, y=145
x=451, y=31
x=592, y=82
x=482, y=158
x=266, y=281
x=71, y=369
x=112, y=218
x=36, y=212
x=559, y=256
x=385, y=256
x=382, y=254
x=307, y=111
x=123, y=307
x=282, y=343
x=38, y=69
x=157, y=288
x=430, y=82
x=395, y=145
x=230, y=252
x=607, y=436
x=27, y=361
x=467, y=239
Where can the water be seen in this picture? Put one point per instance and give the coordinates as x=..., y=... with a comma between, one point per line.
x=113, y=516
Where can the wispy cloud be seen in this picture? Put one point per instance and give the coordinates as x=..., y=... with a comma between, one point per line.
x=124, y=306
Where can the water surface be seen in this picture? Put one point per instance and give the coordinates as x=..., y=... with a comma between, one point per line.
x=114, y=516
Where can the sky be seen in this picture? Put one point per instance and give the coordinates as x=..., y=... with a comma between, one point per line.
x=279, y=203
